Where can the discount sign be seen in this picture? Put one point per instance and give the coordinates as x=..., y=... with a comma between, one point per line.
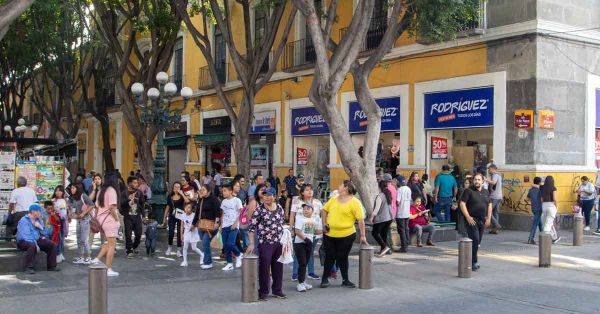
x=439, y=148
x=302, y=156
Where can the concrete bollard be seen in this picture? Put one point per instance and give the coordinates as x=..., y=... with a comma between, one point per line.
x=545, y=247
x=365, y=267
x=578, y=230
x=465, y=257
x=250, y=279
x=98, y=293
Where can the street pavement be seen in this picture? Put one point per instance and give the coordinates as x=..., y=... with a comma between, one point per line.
x=422, y=281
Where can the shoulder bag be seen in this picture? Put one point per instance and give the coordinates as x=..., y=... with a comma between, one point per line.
x=206, y=225
x=95, y=225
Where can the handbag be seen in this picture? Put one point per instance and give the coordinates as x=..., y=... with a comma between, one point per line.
x=206, y=225
x=243, y=217
x=95, y=225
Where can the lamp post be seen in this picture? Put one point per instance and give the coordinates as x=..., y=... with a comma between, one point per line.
x=19, y=130
x=159, y=114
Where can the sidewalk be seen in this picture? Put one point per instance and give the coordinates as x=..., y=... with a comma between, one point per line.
x=422, y=281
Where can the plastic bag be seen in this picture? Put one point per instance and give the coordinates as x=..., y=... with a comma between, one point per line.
x=286, y=250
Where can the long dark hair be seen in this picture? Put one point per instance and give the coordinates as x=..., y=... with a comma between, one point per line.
x=173, y=188
x=78, y=191
x=257, y=192
x=383, y=188
x=412, y=175
x=111, y=180
x=59, y=188
x=547, y=189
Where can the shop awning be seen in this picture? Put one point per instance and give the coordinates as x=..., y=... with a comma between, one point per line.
x=175, y=141
x=211, y=139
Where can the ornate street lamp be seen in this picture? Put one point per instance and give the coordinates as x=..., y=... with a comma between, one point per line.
x=20, y=129
x=159, y=114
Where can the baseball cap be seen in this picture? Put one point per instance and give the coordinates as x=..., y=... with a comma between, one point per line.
x=387, y=177
x=269, y=191
x=300, y=177
x=35, y=207
x=401, y=179
x=307, y=205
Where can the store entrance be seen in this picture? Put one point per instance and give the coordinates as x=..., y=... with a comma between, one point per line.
x=388, y=153
x=312, y=158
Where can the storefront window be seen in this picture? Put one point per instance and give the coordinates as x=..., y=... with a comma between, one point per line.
x=311, y=145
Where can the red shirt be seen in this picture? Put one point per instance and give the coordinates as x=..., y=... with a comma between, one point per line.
x=420, y=220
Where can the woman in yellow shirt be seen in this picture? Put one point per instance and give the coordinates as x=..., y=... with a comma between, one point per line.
x=339, y=216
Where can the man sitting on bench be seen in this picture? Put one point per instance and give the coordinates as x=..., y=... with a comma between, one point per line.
x=29, y=239
x=418, y=222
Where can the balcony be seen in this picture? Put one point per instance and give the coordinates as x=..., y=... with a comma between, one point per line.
x=205, y=81
x=298, y=54
x=377, y=28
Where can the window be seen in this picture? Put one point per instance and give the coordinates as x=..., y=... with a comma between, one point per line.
x=177, y=77
x=310, y=54
x=260, y=27
x=220, y=56
x=378, y=24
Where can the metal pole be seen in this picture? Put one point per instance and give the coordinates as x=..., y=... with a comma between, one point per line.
x=465, y=257
x=578, y=230
x=365, y=266
x=97, y=295
x=250, y=279
x=545, y=246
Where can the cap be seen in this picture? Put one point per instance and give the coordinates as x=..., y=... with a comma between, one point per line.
x=269, y=191
x=35, y=207
x=300, y=177
x=387, y=177
x=493, y=166
x=401, y=179
x=307, y=205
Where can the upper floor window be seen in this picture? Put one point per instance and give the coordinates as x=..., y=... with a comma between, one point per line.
x=177, y=76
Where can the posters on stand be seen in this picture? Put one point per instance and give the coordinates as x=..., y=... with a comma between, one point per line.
x=4, y=199
x=28, y=170
x=49, y=175
x=259, y=162
x=7, y=180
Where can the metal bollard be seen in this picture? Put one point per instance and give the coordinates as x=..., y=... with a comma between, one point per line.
x=97, y=294
x=250, y=279
x=545, y=246
x=465, y=257
x=365, y=267
x=578, y=230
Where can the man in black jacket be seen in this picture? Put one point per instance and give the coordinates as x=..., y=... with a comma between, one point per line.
x=132, y=216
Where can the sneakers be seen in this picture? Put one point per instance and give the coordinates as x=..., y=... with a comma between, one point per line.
x=324, y=283
x=95, y=261
x=79, y=260
x=587, y=228
x=238, y=261
x=294, y=277
x=209, y=266
x=384, y=252
x=280, y=295
x=419, y=244
x=60, y=258
x=183, y=264
x=556, y=240
x=312, y=276
x=348, y=284
x=301, y=288
x=30, y=271
x=531, y=241
x=228, y=267
x=130, y=255
x=430, y=243
x=168, y=251
x=307, y=286
x=179, y=254
x=475, y=267
x=111, y=273
x=262, y=297
x=597, y=232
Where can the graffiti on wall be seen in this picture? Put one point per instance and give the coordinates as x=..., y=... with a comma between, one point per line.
x=515, y=196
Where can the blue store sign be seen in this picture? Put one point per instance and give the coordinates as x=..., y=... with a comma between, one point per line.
x=308, y=121
x=390, y=115
x=466, y=108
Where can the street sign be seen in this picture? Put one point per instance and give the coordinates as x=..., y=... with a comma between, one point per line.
x=546, y=119
x=523, y=119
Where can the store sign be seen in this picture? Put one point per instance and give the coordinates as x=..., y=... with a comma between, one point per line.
x=465, y=108
x=546, y=119
x=302, y=156
x=439, y=148
x=523, y=119
x=308, y=121
x=263, y=122
x=598, y=108
x=216, y=125
x=390, y=115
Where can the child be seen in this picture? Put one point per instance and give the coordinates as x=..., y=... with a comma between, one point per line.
x=52, y=222
x=306, y=227
x=231, y=207
x=535, y=197
x=151, y=233
x=60, y=205
x=190, y=234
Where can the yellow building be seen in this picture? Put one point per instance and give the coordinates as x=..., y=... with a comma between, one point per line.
x=452, y=102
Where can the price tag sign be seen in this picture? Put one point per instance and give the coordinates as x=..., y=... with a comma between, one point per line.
x=439, y=148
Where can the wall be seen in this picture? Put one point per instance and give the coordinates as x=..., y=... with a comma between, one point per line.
x=506, y=12
x=580, y=13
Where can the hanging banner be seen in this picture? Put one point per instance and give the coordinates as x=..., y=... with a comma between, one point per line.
x=467, y=108
x=390, y=115
x=523, y=119
x=439, y=148
x=546, y=119
x=302, y=156
x=598, y=108
x=308, y=121
x=49, y=175
x=263, y=122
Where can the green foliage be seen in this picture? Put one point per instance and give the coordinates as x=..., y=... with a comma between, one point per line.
x=442, y=20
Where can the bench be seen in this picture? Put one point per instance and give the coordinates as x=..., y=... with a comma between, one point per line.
x=13, y=260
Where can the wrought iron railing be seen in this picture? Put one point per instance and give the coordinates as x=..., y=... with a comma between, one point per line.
x=298, y=53
x=205, y=80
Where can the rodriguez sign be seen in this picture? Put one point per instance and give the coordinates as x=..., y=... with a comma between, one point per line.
x=390, y=115
x=460, y=108
x=308, y=121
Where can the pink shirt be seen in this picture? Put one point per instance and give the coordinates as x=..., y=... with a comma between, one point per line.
x=394, y=193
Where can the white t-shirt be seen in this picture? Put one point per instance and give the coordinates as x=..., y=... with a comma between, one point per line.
x=296, y=207
x=218, y=177
x=23, y=197
x=308, y=227
x=404, y=199
x=186, y=220
x=231, y=211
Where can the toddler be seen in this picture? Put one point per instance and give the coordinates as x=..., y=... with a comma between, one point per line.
x=151, y=226
x=190, y=234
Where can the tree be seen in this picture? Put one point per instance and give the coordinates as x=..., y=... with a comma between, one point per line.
x=10, y=11
x=433, y=20
x=126, y=28
x=247, y=60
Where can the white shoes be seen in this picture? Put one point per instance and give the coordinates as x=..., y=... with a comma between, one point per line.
x=587, y=228
x=111, y=273
x=179, y=254
x=78, y=260
x=168, y=251
x=60, y=258
x=301, y=288
x=228, y=267
x=209, y=266
x=307, y=286
x=95, y=261
x=183, y=264
x=238, y=261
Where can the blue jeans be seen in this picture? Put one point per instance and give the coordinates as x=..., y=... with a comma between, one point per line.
x=496, y=212
x=586, y=207
x=311, y=261
x=537, y=224
x=444, y=203
x=206, y=237
x=229, y=235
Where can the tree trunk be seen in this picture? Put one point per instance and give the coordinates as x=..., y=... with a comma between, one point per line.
x=109, y=164
x=10, y=11
x=242, y=131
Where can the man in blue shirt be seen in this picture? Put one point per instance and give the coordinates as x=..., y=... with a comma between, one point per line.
x=30, y=238
x=258, y=179
x=535, y=197
x=87, y=182
x=444, y=193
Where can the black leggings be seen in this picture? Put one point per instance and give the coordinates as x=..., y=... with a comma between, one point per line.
x=380, y=233
x=174, y=224
x=337, y=251
x=303, y=252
